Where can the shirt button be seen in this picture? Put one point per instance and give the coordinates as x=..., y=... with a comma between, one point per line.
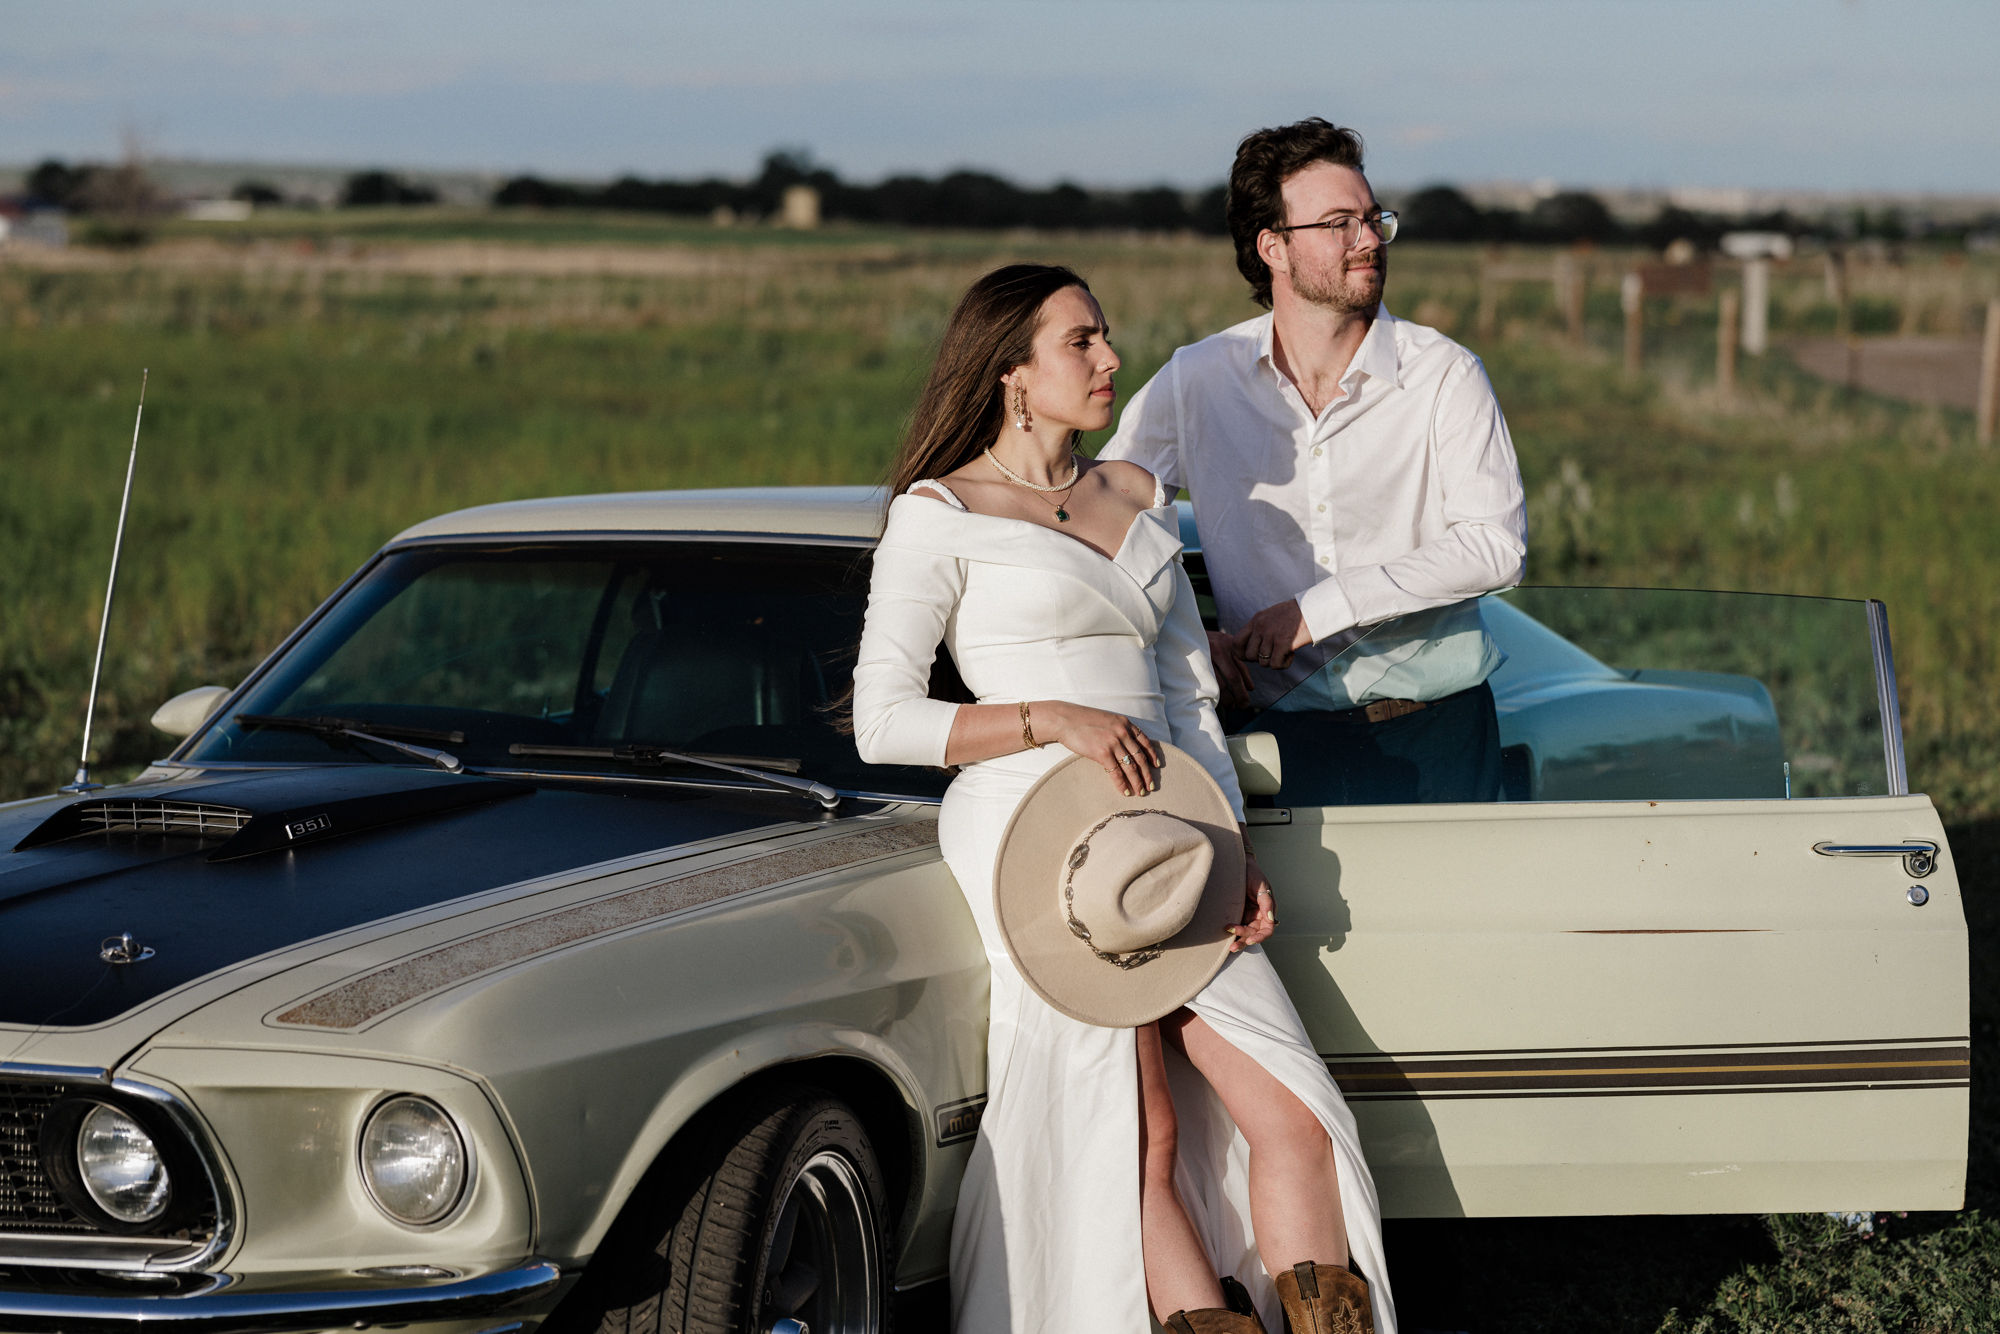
x=1317, y=451
x=1320, y=508
x=1322, y=560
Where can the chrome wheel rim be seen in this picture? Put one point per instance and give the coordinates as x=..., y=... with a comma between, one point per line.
x=821, y=1271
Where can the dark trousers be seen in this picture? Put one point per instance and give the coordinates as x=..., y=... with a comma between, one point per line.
x=1449, y=751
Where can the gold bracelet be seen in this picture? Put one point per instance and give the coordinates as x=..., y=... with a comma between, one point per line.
x=1027, y=729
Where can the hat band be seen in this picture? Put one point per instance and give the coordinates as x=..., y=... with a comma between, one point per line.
x=1078, y=855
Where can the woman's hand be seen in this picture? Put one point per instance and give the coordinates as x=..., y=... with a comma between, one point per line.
x=1259, y=910
x=1111, y=740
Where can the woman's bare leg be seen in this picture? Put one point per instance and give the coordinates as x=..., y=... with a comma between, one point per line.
x=1294, y=1186
x=1178, y=1274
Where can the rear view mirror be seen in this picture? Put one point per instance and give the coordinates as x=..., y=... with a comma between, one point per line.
x=1258, y=769
x=188, y=710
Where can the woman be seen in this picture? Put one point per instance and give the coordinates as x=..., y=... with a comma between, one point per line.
x=1094, y=1190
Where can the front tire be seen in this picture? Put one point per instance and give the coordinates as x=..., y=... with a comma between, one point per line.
x=780, y=1216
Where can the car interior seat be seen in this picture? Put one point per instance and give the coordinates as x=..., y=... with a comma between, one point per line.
x=696, y=665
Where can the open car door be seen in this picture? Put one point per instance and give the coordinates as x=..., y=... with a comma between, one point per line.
x=1705, y=952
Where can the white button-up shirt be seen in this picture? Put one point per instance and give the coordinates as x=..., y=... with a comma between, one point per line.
x=1402, y=497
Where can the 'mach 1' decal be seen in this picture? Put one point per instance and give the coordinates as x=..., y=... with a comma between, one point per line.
x=959, y=1121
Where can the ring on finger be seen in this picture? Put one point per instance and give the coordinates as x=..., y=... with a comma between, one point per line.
x=1125, y=759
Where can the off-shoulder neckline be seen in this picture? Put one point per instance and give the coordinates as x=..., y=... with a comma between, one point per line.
x=1160, y=501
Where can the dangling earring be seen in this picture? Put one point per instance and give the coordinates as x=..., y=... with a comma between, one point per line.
x=1023, y=419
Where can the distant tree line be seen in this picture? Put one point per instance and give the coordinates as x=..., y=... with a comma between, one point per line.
x=973, y=199
x=981, y=200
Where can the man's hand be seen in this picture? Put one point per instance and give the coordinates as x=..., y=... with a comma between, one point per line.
x=1274, y=635
x=1230, y=673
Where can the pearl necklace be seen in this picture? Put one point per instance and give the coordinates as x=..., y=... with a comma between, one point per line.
x=1075, y=471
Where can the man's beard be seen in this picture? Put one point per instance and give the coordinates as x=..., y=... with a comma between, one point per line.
x=1337, y=289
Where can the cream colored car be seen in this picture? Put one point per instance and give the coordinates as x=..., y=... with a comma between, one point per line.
x=521, y=943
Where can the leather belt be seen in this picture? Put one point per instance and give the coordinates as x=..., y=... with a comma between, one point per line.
x=1378, y=711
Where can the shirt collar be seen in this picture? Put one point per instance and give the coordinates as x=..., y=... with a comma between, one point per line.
x=1376, y=357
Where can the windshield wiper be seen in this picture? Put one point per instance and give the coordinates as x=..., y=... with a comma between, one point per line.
x=653, y=757
x=381, y=734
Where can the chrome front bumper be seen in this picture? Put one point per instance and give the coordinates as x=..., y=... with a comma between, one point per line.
x=227, y=1312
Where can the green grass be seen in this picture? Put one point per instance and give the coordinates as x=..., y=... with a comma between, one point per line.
x=305, y=406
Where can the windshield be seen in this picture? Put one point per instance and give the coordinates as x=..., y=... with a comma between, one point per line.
x=730, y=651
x=1594, y=694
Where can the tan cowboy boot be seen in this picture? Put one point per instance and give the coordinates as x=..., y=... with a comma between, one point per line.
x=1325, y=1299
x=1214, y=1320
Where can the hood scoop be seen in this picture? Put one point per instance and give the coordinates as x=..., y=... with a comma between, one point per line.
x=267, y=812
x=159, y=817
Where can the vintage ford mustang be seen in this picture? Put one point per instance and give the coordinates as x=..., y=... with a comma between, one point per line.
x=523, y=944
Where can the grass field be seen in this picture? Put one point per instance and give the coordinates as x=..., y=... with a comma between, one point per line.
x=317, y=384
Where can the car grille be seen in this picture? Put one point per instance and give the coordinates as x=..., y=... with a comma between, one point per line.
x=160, y=817
x=28, y=1199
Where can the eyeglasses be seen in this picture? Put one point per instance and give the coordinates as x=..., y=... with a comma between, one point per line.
x=1347, y=228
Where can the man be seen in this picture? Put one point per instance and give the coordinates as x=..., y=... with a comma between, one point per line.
x=1355, y=487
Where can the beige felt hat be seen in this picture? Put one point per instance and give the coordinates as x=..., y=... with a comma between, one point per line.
x=1116, y=908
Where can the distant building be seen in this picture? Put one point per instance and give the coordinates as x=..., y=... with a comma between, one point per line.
x=42, y=226
x=1756, y=245
x=217, y=210
x=799, y=209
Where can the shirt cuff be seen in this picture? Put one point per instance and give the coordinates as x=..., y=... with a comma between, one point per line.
x=1326, y=609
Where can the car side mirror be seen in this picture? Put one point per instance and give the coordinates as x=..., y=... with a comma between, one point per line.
x=1259, y=771
x=188, y=710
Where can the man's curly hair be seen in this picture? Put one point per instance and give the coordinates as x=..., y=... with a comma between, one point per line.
x=1264, y=160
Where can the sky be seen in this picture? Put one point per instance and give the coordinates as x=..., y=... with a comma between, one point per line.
x=1835, y=95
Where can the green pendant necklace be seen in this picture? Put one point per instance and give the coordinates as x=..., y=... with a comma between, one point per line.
x=1075, y=472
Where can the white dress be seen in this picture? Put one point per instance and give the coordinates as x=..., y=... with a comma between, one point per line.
x=1046, y=1238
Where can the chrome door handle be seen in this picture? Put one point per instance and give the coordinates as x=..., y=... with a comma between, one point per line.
x=1919, y=854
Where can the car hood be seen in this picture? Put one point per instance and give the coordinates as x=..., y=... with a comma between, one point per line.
x=289, y=857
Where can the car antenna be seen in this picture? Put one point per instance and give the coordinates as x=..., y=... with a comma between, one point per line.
x=82, y=783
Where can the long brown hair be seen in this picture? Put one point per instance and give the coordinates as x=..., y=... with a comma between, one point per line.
x=991, y=331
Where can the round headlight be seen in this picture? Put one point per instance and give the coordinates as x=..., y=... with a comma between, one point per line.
x=412, y=1160
x=121, y=1166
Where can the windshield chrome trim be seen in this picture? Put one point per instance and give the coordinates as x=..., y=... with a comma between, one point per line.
x=560, y=536
x=227, y=708
x=1887, y=698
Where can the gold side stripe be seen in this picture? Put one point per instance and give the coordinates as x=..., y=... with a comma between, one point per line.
x=1609, y=1070
x=355, y=1002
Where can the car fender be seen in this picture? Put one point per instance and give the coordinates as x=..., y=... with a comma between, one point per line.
x=803, y=1050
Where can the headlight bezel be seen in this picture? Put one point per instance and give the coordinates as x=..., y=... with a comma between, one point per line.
x=467, y=1170
x=189, y=1185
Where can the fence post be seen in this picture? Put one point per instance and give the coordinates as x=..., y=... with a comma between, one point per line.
x=1836, y=290
x=1989, y=374
x=1632, y=296
x=1725, y=343
x=1572, y=283
x=1756, y=306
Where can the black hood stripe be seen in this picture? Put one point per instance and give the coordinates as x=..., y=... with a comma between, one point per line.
x=59, y=902
x=359, y=1001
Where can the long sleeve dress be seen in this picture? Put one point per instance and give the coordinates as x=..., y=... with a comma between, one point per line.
x=1046, y=1237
